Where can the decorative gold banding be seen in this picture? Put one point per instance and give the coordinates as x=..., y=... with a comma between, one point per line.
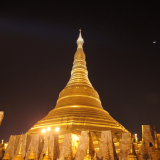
x=88, y=114
x=79, y=96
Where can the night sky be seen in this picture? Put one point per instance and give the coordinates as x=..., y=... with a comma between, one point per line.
x=37, y=47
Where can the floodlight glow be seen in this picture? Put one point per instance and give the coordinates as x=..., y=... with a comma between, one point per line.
x=48, y=129
x=136, y=136
x=43, y=130
x=57, y=129
x=76, y=137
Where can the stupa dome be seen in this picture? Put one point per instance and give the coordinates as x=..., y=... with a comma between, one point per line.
x=78, y=106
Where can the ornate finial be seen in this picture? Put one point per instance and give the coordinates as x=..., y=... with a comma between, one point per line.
x=19, y=155
x=80, y=40
x=47, y=157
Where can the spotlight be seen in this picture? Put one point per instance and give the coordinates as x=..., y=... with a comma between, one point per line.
x=43, y=130
x=76, y=137
x=48, y=129
x=57, y=129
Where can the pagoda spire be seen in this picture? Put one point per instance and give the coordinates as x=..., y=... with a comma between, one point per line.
x=80, y=40
x=132, y=154
x=88, y=156
x=32, y=155
x=47, y=157
x=79, y=89
x=79, y=73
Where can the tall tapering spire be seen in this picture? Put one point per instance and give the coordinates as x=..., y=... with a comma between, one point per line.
x=78, y=106
x=80, y=40
x=79, y=90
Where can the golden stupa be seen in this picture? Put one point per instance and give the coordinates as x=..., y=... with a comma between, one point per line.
x=78, y=106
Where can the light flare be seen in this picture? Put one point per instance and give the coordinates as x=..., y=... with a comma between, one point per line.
x=43, y=130
x=57, y=129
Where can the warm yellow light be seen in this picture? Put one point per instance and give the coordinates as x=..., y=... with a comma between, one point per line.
x=136, y=137
x=43, y=130
x=57, y=129
x=5, y=145
x=2, y=141
x=76, y=137
x=48, y=129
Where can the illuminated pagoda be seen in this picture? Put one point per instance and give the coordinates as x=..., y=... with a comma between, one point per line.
x=78, y=127
x=79, y=107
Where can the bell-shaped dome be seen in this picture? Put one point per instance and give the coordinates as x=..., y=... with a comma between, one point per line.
x=78, y=106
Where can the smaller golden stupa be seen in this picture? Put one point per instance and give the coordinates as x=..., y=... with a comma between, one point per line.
x=132, y=154
x=47, y=157
x=7, y=156
x=19, y=155
x=88, y=156
x=32, y=155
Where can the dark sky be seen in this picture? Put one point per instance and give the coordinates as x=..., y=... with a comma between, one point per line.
x=37, y=46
